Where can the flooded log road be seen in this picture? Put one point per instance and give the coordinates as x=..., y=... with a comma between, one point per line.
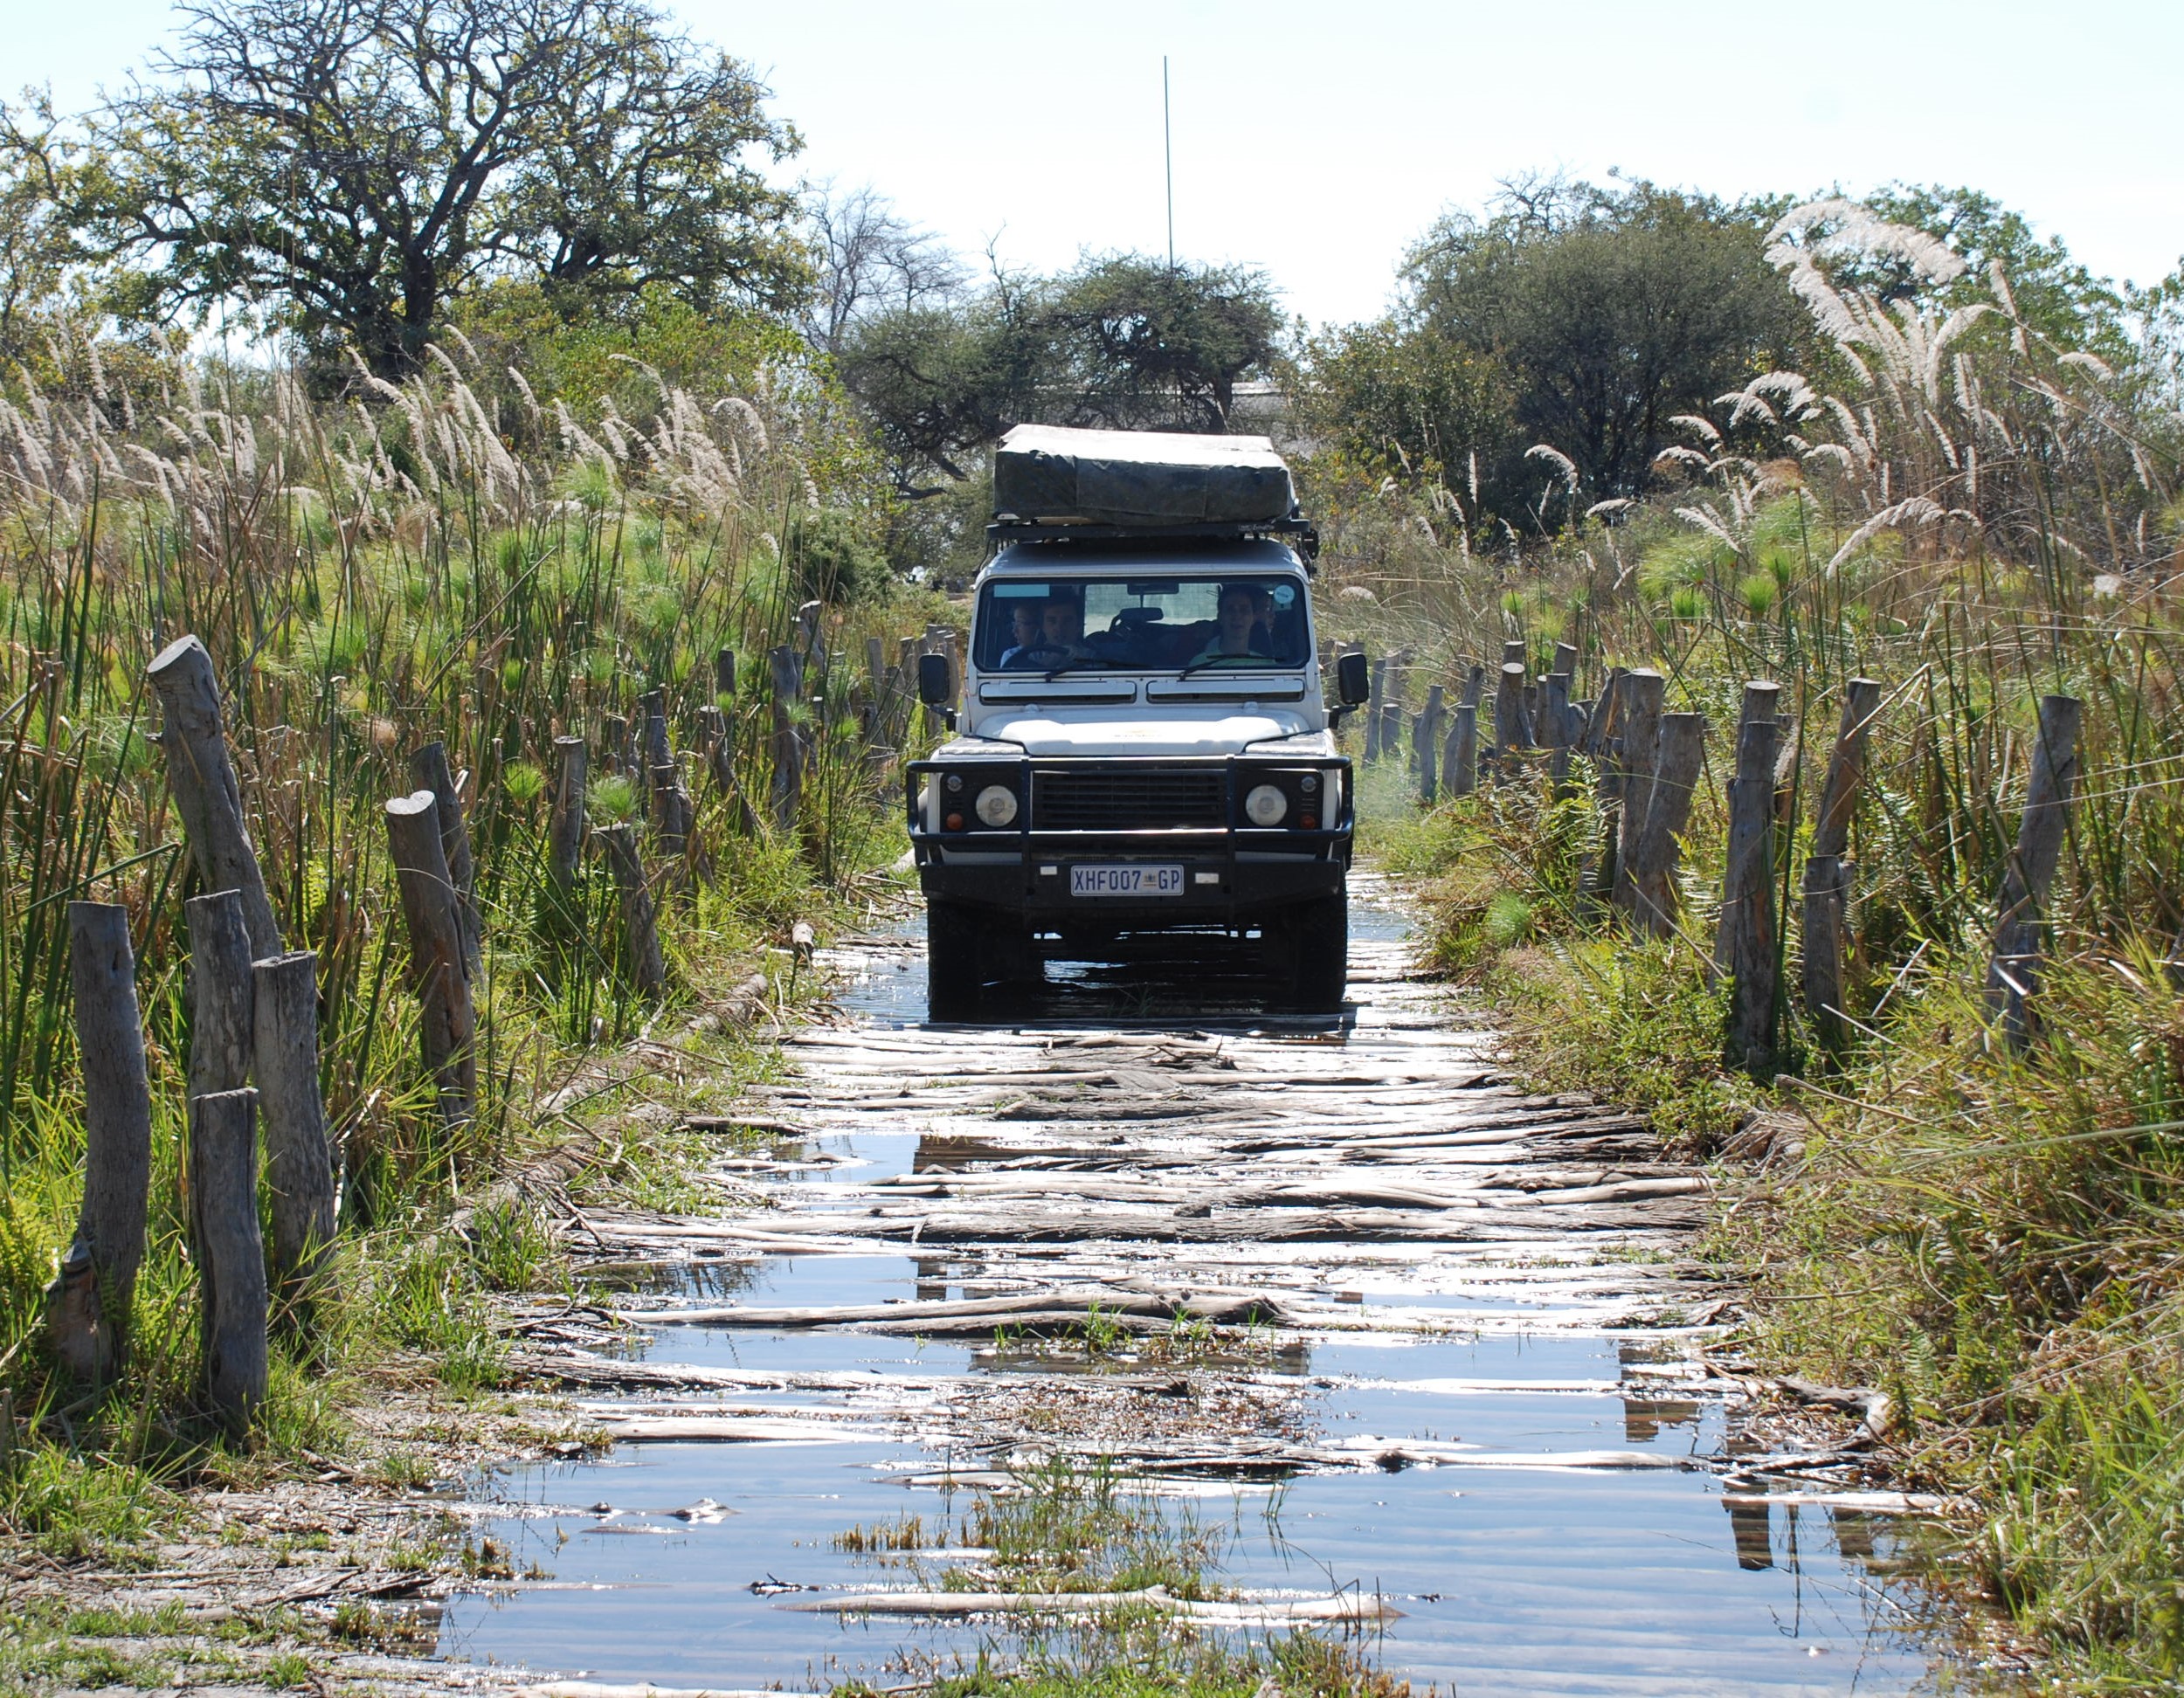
x=1434, y=1341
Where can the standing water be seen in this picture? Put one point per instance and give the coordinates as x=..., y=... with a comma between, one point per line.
x=1472, y=1389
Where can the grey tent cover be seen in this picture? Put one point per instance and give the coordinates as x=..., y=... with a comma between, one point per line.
x=1147, y=478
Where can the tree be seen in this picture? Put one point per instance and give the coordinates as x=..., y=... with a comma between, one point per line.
x=1608, y=311
x=345, y=167
x=1120, y=343
x=871, y=259
x=40, y=252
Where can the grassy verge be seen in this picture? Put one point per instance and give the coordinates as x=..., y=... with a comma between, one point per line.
x=450, y=561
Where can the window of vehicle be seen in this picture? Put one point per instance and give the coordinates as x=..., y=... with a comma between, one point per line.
x=1152, y=624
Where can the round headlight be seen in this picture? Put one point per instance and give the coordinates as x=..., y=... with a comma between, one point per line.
x=1265, y=804
x=996, y=805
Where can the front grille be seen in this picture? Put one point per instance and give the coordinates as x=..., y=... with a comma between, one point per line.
x=1128, y=801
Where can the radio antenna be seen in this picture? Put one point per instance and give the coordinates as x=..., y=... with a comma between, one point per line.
x=1167, y=138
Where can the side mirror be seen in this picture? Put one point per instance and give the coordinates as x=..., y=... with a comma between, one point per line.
x=935, y=680
x=1353, y=680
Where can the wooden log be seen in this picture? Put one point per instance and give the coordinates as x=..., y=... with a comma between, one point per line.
x=1460, y=756
x=1846, y=768
x=1425, y=750
x=2013, y=969
x=220, y=1020
x=724, y=674
x=673, y=818
x=785, y=794
x=1553, y=731
x=1744, y=945
x=1682, y=753
x=447, y=1025
x=229, y=1252
x=89, y=1302
x=641, y=928
x=298, y=1160
x=1565, y=661
x=565, y=833
x=720, y=750
x=1642, y=695
x=202, y=775
x=1512, y=726
x=613, y=744
x=1515, y=652
x=655, y=749
x=1823, y=924
x=1374, y=703
x=429, y=771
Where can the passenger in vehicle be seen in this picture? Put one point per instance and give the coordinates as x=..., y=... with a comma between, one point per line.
x=1027, y=632
x=1064, y=630
x=1241, y=635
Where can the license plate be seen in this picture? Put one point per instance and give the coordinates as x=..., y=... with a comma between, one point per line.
x=1130, y=881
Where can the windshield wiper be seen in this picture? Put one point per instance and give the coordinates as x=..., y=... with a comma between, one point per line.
x=1216, y=660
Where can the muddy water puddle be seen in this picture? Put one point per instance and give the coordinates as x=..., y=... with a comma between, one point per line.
x=1573, y=1539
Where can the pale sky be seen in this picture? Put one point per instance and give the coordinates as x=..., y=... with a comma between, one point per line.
x=1318, y=139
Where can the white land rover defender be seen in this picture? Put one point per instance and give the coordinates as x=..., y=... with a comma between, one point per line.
x=1143, y=743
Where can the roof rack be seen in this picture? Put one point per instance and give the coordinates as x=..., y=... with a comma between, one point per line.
x=1300, y=533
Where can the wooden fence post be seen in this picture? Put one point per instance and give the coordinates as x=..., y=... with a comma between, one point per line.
x=1553, y=732
x=2012, y=973
x=429, y=771
x=89, y=1302
x=1596, y=878
x=1372, y=709
x=787, y=790
x=724, y=673
x=654, y=746
x=1743, y=947
x=202, y=775
x=220, y=1019
x=1425, y=750
x=1460, y=756
x=298, y=1163
x=1830, y=877
x=641, y=928
x=613, y=744
x=1643, y=692
x=1512, y=726
x=564, y=839
x=1653, y=860
x=673, y=817
x=446, y=1026
x=230, y=1254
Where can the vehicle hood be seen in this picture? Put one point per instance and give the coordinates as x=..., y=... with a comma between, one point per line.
x=1220, y=732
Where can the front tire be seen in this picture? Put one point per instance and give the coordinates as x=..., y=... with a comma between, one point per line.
x=953, y=972
x=1316, y=935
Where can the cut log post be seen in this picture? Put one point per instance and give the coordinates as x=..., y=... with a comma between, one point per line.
x=1830, y=876
x=220, y=1020
x=446, y=1026
x=202, y=775
x=1512, y=730
x=229, y=1252
x=724, y=674
x=1682, y=752
x=1596, y=878
x=1743, y=946
x=720, y=750
x=1565, y=661
x=565, y=851
x=429, y=771
x=786, y=792
x=1642, y=693
x=1392, y=706
x=1460, y=758
x=1372, y=709
x=1426, y=751
x=2013, y=972
x=654, y=748
x=89, y=1302
x=299, y=1162
x=1474, y=686
x=1823, y=921
x=1515, y=653
x=1553, y=732
x=613, y=744
x=640, y=928
x=673, y=817
x=1846, y=768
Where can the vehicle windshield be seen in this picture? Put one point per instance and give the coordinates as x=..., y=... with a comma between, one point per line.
x=1144, y=624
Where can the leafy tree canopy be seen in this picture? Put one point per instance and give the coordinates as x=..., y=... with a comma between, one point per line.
x=345, y=166
x=1121, y=343
x=1607, y=311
